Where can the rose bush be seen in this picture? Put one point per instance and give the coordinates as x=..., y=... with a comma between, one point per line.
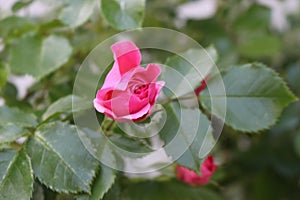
x=208, y=167
x=129, y=91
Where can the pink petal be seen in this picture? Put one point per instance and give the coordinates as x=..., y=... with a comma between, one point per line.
x=127, y=55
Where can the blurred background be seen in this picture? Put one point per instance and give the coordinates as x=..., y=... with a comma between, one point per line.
x=252, y=166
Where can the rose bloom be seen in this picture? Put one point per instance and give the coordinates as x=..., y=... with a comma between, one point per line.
x=129, y=91
x=207, y=169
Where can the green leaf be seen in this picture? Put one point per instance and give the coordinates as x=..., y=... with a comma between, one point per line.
x=67, y=104
x=14, y=26
x=123, y=14
x=21, y=4
x=256, y=45
x=59, y=159
x=256, y=17
x=255, y=96
x=4, y=72
x=10, y=133
x=188, y=70
x=101, y=185
x=185, y=134
x=150, y=190
x=99, y=146
x=17, y=117
x=16, y=178
x=130, y=147
x=38, y=57
x=76, y=12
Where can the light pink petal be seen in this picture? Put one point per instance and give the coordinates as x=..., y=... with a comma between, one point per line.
x=148, y=75
x=112, y=77
x=126, y=55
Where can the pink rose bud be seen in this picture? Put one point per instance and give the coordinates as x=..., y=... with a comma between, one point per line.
x=207, y=169
x=201, y=87
x=129, y=91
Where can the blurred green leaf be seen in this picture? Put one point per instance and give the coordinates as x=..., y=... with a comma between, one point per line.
x=4, y=72
x=191, y=66
x=17, y=117
x=297, y=143
x=10, y=133
x=135, y=147
x=102, y=183
x=151, y=190
x=38, y=57
x=256, y=17
x=256, y=45
x=14, y=26
x=67, y=104
x=190, y=127
x=76, y=12
x=59, y=159
x=255, y=96
x=123, y=14
x=16, y=178
x=21, y=4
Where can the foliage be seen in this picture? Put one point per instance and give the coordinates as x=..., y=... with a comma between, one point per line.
x=44, y=154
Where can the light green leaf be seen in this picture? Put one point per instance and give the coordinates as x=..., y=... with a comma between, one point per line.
x=188, y=70
x=76, y=12
x=59, y=159
x=4, y=72
x=38, y=57
x=101, y=185
x=255, y=96
x=16, y=178
x=17, y=117
x=185, y=134
x=150, y=190
x=14, y=26
x=123, y=14
x=10, y=133
x=67, y=104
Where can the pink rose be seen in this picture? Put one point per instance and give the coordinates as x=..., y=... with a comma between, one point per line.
x=129, y=91
x=207, y=169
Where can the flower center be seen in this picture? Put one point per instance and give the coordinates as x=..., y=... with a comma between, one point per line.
x=141, y=90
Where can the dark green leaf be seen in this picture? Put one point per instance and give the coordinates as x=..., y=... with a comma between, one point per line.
x=17, y=117
x=16, y=178
x=101, y=185
x=124, y=14
x=59, y=159
x=39, y=57
x=185, y=134
x=67, y=104
x=255, y=97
